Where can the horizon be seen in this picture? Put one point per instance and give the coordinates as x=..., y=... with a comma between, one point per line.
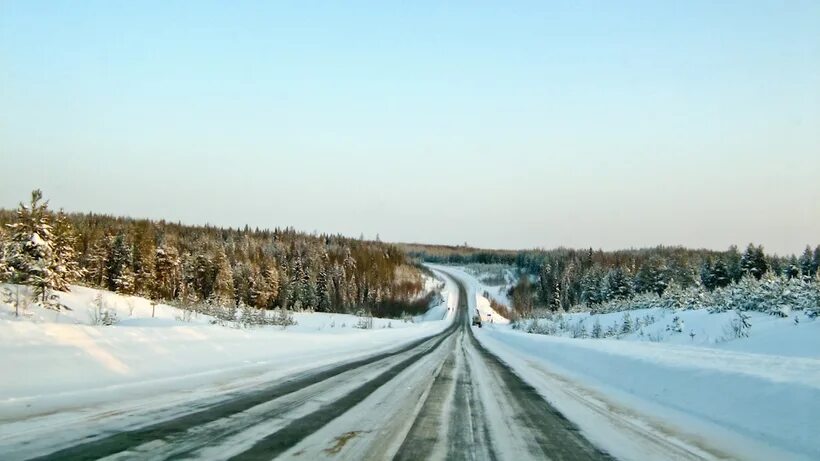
x=522, y=126
x=377, y=237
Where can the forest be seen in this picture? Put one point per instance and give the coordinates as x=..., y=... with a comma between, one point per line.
x=187, y=265
x=568, y=279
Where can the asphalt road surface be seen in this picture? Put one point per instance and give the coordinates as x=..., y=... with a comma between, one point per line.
x=444, y=397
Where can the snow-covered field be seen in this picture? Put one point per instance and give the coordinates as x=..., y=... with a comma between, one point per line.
x=717, y=395
x=59, y=362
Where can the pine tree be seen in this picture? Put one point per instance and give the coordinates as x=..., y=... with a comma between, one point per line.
x=5, y=270
x=167, y=272
x=65, y=266
x=119, y=273
x=144, y=261
x=720, y=274
x=272, y=277
x=806, y=263
x=223, y=281
x=96, y=260
x=339, y=287
x=792, y=269
x=591, y=288
x=31, y=248
x=816, y=260
x=733, y=264
x=707, y=276
x=753, y=261
x=324, y=286
x=644, y=280
x=616, y=284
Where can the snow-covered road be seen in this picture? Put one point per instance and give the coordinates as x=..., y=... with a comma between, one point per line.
x=647, y=400
x=439, y=397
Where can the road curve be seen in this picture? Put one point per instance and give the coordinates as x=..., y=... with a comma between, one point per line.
x=442, y=397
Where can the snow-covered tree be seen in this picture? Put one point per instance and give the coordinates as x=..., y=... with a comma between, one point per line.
x=66, y=269
x=720, y=274
x=167, y=270
x=627, y=326
x=223, y=281
x=806, y=263
x=616, y=284
x=5, y=270
x=753, y=261
x=30, y=251
x=119, y=272
x=324, y=288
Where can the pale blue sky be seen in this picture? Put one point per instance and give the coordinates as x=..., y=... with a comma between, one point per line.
x=604, y=124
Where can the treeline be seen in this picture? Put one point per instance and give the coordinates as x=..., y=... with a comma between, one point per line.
x=562, y=278
x=166, y=261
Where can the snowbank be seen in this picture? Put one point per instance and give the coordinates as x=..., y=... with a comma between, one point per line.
x=752, y=398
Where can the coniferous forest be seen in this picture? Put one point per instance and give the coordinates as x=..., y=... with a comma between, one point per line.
x=568, y=279
x=172, y=262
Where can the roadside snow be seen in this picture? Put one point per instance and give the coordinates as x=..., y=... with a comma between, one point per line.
x=54, y=362
x=750, y=398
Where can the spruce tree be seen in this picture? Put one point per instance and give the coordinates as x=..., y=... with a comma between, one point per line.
x=733, y=264
x=707, y=277
x=816, y=260
x=806, y=264
x=720, y=274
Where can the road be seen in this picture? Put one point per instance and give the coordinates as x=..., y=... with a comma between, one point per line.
x=443, y=397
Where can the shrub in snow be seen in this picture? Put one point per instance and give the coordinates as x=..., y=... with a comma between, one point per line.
x=578, y=330
x=562, y=322
x=540, y=327
x=365, y=321
x=626, y=327
x=100, y=313
x=186, y=315
x=656, y=338
x=740, y=325
x=251, y=316
x=676, y=326
x=283, y=318
x=16, y=297
x=596, y=329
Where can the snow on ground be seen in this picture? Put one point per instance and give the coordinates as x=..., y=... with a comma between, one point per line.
x=749, y=398
x=59, y=361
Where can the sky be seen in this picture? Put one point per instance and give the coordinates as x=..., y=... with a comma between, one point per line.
x=497, y=124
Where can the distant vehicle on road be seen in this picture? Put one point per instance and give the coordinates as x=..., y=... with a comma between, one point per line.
x=477, y=320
